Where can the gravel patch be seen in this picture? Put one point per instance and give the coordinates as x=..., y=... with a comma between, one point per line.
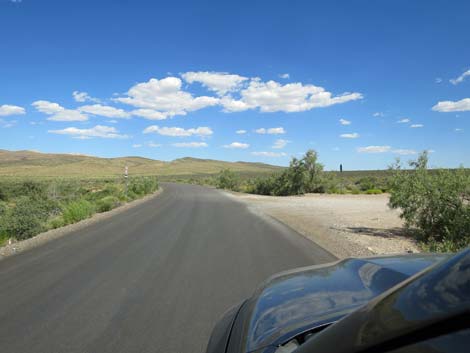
x=345, y=225
x=17, y=247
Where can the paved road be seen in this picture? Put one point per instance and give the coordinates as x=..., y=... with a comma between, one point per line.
x=152, y=279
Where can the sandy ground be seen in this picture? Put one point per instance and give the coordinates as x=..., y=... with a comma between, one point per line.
x=345, y=225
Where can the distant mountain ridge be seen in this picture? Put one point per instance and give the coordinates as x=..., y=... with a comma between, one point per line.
x=34, y=163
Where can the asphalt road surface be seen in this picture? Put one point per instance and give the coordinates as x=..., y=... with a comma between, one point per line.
x=153, y=279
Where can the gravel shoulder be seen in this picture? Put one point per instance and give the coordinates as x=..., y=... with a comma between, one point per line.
x=18, y=247
x=345, y=225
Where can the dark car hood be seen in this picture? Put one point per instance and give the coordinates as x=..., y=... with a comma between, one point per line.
x=295, y=301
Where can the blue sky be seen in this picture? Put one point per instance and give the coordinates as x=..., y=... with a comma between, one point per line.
x=362, y=82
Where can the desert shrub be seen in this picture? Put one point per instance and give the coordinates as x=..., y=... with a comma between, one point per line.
x=313, y=171
x=437, y=203
x=227, y=179
x=107, y=204
x=374, y=191
x=367, y=183
x=107, y=191
x=56, y=222
x=142, y=185
x=25, y=219
x=77, y=210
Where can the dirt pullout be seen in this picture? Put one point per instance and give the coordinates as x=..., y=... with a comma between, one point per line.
x=345, y=225
x=20, y=246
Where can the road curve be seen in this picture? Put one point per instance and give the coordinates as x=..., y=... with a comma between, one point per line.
x=152, y=279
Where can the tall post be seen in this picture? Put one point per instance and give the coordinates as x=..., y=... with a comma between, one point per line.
x=126, y=177
x=340, y=168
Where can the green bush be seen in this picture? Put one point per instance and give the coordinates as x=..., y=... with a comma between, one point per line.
x=25, y=219
x=437, y=203
x=374, y=191
x=56, y=222
x=228, y=180
x=107, y=204
x=77, y=211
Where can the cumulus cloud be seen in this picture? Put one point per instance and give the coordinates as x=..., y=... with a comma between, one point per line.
x=137, y=145
x=203, y=131
x=284, y=76
x=98, y=131
x=374, y=149
x=241, y=132
x=271, y=131
x=153, y=144
x=385, y=149
x=82, y=97
x=378, y=114
x=165, y=96
x=8, y=110
x=104, y=110
x=353, y=135
x=280, y=143
x=344, y=122
x=403, y=121
x=416, y=126
x=269, y=154
x=461, y=78
x=462, y=105
x=57, y=112
x=404, y=152
x=151, y=114
x=272, y=96
x=219, y=82
x=190, y=144
x=237, y=145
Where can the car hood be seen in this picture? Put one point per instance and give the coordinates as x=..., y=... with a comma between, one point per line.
x=296, y=301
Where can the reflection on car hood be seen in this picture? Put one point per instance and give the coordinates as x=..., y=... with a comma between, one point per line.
x=295, y=301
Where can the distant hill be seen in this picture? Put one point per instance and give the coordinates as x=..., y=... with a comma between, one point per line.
x=36, y=164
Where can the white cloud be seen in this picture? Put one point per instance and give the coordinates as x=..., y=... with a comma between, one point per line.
x=269, y=154
x=438, y=80
x=241, y=132
x=271, y=131
x=112, y=121
x=219, y=82
x=57, y=112
x=136, y=145
x=47, y=107
x=404, y=152
x=458, y=129
x=462, y=105
x=153, y=144
x=179, y=131
x=272, y=96
x=7, y=123
x=99, y=131
x=280, y=143
x=190, y=144
x=353, y=135
x=374, y=149
x=284, y=76
x=416, y=126
x=344, y=122
x=82, y=97
x=237, y=145
x=151, y=114
x=403, y=121
x=104, y=110
x=461, y=78
x=7, y=110
x=378, y=114
x=165, y=96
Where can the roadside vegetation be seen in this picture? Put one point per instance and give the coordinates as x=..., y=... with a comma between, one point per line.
x=434, y=203
x=29, y=207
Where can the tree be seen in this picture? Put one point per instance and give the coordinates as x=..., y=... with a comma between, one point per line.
x=313, y=170
x=227, y=179
x=435, y=202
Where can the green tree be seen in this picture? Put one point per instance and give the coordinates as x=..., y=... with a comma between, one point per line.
x=313, y=170
x=435, y=202
x=227, y=179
